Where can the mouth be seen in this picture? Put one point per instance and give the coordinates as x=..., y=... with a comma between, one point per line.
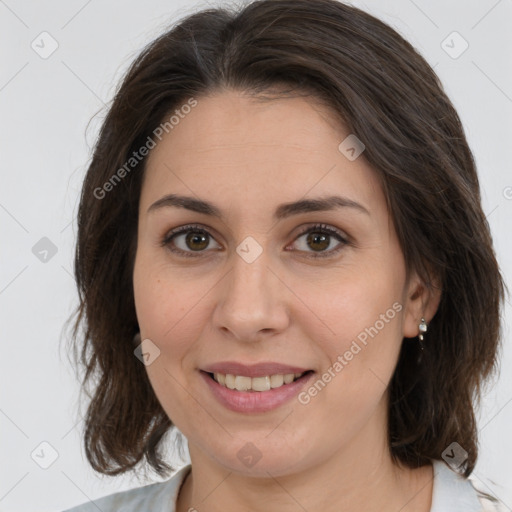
x=262, y=391
x=256, y=384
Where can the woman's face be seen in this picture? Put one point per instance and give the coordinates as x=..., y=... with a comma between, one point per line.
x=263, y=283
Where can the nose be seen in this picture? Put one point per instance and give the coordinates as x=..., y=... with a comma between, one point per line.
x=252, y=299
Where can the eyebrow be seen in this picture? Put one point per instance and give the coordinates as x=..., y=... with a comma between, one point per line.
x=282, y=211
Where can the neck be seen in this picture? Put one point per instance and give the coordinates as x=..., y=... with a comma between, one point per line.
x=360, y=476
x=377, y=485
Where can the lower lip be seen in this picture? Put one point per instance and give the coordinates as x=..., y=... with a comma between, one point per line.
x=255, y=401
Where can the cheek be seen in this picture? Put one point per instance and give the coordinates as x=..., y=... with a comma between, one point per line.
x=171, y=309
x=343, y=304
x=156, y=304
x=360, y=359
x=358, y=328
x=167, y=307
x=162, y=296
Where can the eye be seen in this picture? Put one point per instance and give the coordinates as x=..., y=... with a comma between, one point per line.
x=320, y=238
x=190, y=239
x=187, y=240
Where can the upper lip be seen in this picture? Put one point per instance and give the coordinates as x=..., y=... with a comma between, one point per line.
x=253, y=370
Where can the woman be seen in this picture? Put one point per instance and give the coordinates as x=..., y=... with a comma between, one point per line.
x=282, y=253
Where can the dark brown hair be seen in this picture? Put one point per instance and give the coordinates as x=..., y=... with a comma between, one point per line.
x=385, y=93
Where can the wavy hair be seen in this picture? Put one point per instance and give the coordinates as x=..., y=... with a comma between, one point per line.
x=382, y=90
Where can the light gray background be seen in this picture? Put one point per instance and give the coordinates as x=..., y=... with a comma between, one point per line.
x=46, y=105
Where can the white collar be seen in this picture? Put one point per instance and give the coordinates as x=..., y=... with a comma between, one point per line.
x=452, y=492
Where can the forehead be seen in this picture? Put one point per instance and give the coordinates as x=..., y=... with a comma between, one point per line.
x=236, y=118
x=233, y=146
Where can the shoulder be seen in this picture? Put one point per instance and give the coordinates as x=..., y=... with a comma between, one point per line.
x=454, y=493
x=157, y=496
x=489, y=503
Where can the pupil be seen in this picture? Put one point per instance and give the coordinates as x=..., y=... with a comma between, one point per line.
x=319, y=238
x=193, y=238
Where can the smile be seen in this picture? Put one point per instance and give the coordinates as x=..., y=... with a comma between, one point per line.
x=264, y=383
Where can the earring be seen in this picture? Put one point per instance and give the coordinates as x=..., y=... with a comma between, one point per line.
x=136, y=339
x=423, y=329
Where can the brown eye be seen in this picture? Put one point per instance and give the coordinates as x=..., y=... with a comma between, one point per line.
x=187, y=240
x=196, y=241
x=318, y=239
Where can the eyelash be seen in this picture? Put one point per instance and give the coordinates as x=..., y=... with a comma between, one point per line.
x=317, y=228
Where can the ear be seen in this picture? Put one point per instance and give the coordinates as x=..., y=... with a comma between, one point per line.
x=421, y=301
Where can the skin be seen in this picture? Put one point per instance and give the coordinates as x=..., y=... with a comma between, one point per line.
x=248, y=157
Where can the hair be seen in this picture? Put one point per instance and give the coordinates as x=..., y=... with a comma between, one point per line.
x=383, y=91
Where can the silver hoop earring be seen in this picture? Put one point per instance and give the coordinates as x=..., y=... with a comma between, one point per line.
x=423, y=329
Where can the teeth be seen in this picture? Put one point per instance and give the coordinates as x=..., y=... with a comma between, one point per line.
x=289, y=377
x=229, y=381
x=260, y=383
x=276, y=381
x=241, y=383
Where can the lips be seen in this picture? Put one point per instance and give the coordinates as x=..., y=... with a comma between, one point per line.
x=253, y=370
x=251, y=401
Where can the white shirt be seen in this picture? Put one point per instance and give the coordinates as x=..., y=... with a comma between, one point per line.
x=451, y=493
